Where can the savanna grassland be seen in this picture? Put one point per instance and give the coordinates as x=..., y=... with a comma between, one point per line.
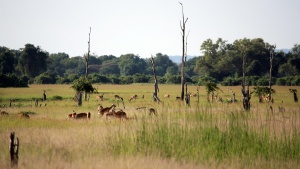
x=202, y=135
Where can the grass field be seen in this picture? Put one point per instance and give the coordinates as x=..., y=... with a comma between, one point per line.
x=202, y=135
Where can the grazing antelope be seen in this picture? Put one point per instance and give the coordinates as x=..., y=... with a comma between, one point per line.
x=166, y=96
x=178, y=98
x=133, y=97
x=119, y=114
x=102, y=110
x=117, y=97
x=82, y=115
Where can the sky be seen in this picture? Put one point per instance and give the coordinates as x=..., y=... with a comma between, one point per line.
x=144, y=27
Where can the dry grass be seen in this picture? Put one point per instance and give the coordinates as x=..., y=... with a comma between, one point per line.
x=50, y=140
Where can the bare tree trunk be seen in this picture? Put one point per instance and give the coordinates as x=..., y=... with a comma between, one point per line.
x=14, y=150
x=44, y=96
x=79, y=99
x=87, y=57
x=183, y=52
x=156, y=89
x=198, y=88
x=271, y=67
x=187, y=96
x=245, y=92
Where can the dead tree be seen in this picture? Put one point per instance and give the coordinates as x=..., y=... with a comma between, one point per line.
x=198, y=88
x=182, y=26
x=156, y=89
x=295, y=94
x=246, y=98
x=272, y=48
x=86, y=58
x=187, y=96
x=14, y=150
x=78, y=98
x=245, y=91
x=44, y=96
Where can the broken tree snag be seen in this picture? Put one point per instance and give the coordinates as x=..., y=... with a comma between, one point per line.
x=198, y=88
x=86, y=58
x=246, y=98
x=272, y=48
x=295, y=94
x=182, y=26
x=44, y=96
x=14, y=149
x=187, y=96
x=156, y=89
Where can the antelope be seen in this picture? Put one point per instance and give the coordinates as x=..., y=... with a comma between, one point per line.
x=152, y=111
x=133, y=97
x=4, y=113
x=178, y=98
x=100, y=97
x=193, y=95
x=102, y=110
x=166, y=96
x=82, y=115
x=24, y=115
x=119, y=114
x=117, y=97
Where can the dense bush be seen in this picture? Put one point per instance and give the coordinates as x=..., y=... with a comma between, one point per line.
x=12, y=80
x=288, y=81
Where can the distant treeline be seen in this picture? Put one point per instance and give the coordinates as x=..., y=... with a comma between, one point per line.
x=220, y=62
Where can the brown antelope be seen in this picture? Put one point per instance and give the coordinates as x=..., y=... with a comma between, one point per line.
x=100, y=97
x=193, y=95
x=152, y=111
x=102, y=111
x=178, y=98
x=166, y=96
x=4, y=113
x=117, y=97
x=118, y=114
x=133, y=97
x=24, y=115
x=82, y=115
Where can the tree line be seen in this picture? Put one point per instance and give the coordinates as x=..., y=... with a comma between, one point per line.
x=220, y=62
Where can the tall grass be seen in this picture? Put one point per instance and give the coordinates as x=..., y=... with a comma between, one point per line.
x=204, y=135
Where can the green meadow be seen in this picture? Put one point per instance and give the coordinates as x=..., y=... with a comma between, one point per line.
x=202, y=135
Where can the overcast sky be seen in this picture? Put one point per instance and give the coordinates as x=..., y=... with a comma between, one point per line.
x=144, y=27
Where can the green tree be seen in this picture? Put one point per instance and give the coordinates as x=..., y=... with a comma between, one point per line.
x=7, y=61
x=130, y=64
x=33, y=60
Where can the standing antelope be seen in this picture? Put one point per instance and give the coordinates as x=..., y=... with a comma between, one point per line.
x=102, y=110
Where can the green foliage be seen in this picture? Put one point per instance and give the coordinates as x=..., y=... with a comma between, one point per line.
x=45, y=78
x=203, y=80
x=82, y=84
x=263, y=91
x=56, y=97
x=33, y=60
x=12, y=80
x=288, y=81
x=211, y=87
x=231, y=81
